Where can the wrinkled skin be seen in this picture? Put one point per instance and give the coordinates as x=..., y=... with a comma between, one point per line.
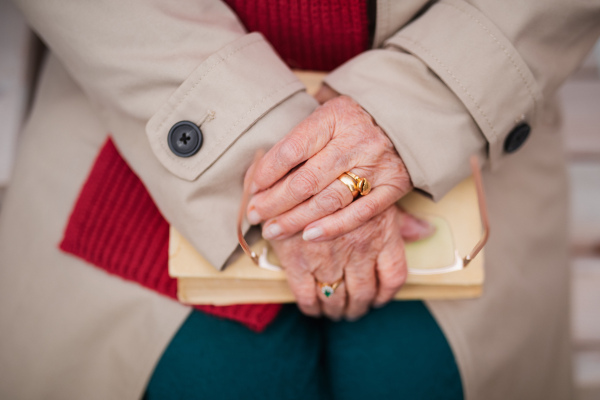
x=339, y=136
x=315, y=227
x=370, y=258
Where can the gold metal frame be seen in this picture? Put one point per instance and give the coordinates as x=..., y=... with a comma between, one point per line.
x=462, y=262
x=262, y=260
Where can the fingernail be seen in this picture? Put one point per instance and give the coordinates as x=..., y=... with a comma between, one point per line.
x=253, y=188
x=312, y=233
x=253, y=217
x=272, y=231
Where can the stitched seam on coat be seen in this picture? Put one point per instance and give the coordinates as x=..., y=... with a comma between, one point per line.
x=504, y=50
x=461, y=348
x=458, y=82
x=386, y=25
x=381, y=28
x=224, y=137
x=199, y=79
x=387, y=32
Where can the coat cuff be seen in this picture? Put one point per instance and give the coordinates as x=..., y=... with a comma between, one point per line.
x=443, y=94
x=222, y=114
x=243, y=98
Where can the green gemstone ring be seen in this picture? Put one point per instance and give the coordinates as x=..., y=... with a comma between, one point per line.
x=328, y=289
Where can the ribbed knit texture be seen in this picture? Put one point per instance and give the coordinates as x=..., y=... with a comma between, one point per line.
x=315, y=35
x=116, y=226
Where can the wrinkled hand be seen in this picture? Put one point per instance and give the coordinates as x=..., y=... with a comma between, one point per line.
x=296, y=182
x=370, y=258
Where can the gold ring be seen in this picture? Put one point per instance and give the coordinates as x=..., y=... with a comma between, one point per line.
x=362, y=184
x=328, y=289
x=350, y=183
x=355, y=183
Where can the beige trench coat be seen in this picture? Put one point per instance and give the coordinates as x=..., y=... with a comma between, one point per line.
x=444, y=82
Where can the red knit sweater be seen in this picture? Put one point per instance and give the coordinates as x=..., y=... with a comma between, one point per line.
x=308, y=34
x=116, y=226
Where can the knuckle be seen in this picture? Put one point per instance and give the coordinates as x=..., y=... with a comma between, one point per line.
x=292, y=222
x=366, y=210
x=357, y=313
x=363, y=245
x=292, y=150
x=329, y=201
x=303, y=184
x=307, y=301
x=336, y=227
x=344, y=153
x=363, y=296
x=394, y=281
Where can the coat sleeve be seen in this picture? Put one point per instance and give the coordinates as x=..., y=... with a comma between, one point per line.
x=146, y=65
x=461, y=76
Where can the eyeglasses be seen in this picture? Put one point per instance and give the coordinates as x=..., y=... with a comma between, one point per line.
x=261, y=261
x=459, y=262
x=441, y=225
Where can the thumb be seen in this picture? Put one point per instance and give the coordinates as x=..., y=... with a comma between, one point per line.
x=414, y=228
x=325, y=94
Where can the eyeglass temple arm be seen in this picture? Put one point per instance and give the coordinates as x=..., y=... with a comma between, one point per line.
x=242, y=211
x=482, y=211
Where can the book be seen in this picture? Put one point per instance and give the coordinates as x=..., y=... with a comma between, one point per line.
x=458, y=229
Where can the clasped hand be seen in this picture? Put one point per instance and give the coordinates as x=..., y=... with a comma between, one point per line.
x=318, y=230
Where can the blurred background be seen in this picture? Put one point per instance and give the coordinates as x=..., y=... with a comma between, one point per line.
x=20, y=53
x=581, y=101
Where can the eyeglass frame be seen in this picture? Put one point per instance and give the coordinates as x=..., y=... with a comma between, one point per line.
x=459, y=262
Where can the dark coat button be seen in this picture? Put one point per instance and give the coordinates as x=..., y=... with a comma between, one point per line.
x=516, y=138
x=185, y=139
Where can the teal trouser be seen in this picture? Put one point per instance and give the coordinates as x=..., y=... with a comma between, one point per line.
x=396, y=352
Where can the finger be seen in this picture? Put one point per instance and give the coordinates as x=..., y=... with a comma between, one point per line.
x=391, y=270
x=302, y=284
x=330, y=272
x=311, y=178
x=249, y=173
x=333, y=306
x=351, y=217
x=329, y=200
x=304, y=141
x=414, y=229
x=361, y=288
x=325, y=93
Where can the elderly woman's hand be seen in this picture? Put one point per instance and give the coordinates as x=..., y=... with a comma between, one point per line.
x=296, y=182
x=370, y=260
